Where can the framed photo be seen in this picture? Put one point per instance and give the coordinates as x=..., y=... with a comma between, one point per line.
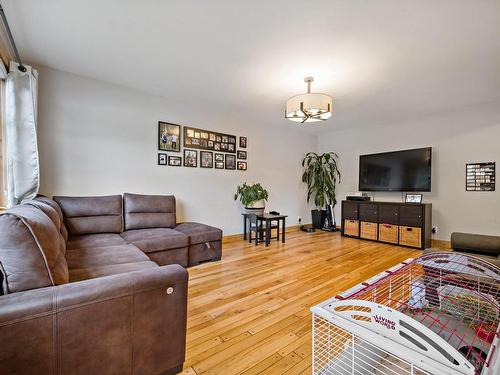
x=206, y=159
x=175, y=161
x=219, y=157
x=169, y=137
x=190, y=158
x=230, y=161
x=242, y=165
x=242, y=155
x=162, y=159
x=219, y=165
x=480, y=176
x=413, y=198
x=202, y=139
x=243, y=142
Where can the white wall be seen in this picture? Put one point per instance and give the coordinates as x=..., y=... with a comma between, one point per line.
x=465, y=135
x=97, y=138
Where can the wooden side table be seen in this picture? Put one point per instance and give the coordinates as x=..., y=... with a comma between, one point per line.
x=266, y=219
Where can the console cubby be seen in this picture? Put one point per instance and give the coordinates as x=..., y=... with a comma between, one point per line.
x=405, y=224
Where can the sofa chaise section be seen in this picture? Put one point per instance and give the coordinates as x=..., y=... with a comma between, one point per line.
x=205, y=242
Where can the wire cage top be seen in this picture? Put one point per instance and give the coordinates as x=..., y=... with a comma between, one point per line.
x=444, y=306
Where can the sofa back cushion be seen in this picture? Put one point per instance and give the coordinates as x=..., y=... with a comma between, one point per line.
x=55, y=206
x=149, y=211
x=87, y=215
x=32, y=250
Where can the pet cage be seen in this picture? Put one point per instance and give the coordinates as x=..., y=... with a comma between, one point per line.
x=436, y=314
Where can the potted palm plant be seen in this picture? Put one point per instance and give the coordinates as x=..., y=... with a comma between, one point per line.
x=321, y=175
x=252, y=197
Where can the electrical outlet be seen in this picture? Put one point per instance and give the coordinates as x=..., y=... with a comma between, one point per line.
x=299, y=219
x=434, y=229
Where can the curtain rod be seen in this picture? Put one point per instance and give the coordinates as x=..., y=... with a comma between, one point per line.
x=21, y=67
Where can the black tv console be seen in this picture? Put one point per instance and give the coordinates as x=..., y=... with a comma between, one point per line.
x=405, y=224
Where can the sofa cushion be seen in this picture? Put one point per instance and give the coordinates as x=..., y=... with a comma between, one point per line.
x=54, y=216
x=87, y=215
x=104, y=256
x=93, y=272
x=149, y=211
x=55, y=206
x=173, y=256
x=31, y=250
x=199, y=233
x=155, y=239
x=95, y=240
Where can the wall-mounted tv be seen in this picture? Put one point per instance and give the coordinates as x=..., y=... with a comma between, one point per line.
x=408, y=170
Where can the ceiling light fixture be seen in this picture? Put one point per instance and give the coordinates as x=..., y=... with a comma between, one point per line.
x=309, y=107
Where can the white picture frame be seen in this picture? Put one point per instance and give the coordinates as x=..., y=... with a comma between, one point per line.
x=413, y=198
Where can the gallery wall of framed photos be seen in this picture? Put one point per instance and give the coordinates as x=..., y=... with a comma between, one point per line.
x=201, y=147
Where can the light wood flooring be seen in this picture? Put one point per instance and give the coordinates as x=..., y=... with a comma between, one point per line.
x=249, y=313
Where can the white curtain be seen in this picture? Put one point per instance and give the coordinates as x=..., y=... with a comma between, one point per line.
x=21, y=148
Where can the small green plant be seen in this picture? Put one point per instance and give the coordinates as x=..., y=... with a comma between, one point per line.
x=249, y=194
x=321, y=175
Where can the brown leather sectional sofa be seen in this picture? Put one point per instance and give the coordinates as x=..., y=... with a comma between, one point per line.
x=96, y=285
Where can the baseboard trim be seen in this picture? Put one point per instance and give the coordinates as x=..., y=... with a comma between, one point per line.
x=441, y=244
x=239, y=236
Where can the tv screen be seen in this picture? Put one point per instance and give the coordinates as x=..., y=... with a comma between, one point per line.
x=408, y=170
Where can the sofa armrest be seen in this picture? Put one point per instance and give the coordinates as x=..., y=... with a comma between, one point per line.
x=128, y=323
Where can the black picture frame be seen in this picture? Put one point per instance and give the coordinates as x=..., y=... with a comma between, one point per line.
x=480, y=176
x=208, y=140
x=162, y=159
x=242, y=165
x=175, y=161
x=230, y=162
x=242, y=155
x=166, y=132
x=188, y=154
x=243, y=142
x=219, y=165
x=219, y=157
x=413, y=198
x=210, y=159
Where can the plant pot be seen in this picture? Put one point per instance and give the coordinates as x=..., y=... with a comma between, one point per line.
x=256, y=207
x=318, y=218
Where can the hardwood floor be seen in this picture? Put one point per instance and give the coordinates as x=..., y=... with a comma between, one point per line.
x=249, y=313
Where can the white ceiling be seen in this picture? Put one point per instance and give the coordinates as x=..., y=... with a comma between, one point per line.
x=383, y=61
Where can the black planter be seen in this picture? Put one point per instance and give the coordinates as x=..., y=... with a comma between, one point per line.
x=318, y=218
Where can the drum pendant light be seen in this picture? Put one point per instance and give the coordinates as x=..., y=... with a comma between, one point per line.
x=309, y=107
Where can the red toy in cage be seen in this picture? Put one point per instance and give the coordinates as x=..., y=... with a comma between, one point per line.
x=436, y=314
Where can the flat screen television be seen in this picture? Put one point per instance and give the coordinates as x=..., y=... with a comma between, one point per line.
x=408, y=170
